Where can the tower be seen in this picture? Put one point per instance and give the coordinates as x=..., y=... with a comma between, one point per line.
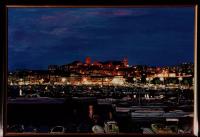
x=88, y=60
x=125, y=62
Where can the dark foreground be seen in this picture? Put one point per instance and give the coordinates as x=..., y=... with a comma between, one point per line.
x=74, y=116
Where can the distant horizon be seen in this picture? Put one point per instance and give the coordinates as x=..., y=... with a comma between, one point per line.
x=100, y=61
x=38, y=37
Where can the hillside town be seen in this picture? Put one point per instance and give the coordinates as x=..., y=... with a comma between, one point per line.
x=102, y=97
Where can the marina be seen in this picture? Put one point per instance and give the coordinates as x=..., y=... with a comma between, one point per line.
x=77, y=109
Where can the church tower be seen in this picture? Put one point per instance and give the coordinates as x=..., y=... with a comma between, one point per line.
x=88, y=60
x=125, y=62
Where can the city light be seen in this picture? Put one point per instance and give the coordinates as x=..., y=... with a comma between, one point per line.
x=20, y=92
x=84, y=79
x=118, y=81
x=20, y=83
x=180, y=78
x=161, y=79
x=41, y=80
x=63, y=80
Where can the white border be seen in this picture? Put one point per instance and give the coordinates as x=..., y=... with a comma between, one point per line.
x=195, y=122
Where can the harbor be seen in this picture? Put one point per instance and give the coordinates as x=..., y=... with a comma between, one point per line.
x=132, y=109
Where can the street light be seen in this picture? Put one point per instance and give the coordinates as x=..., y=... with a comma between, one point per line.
x=147, y=79
x=162, y=79
x=179, y=94
x=20, y=92
x=41, y=80
x=135, y=81
x=84, y=79
x=63, y=80
x=180, y=79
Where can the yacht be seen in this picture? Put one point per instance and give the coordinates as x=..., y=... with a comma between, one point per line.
x=111, y=127
x=57, y=130
x=160, y=129
x=171, y=127
x=147, y=113
x=97, y=129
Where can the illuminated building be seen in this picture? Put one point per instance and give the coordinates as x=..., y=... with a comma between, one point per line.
x=112, y=72
x=125, y=62
x=53, y=68
x=88, y=60
x=96, y=63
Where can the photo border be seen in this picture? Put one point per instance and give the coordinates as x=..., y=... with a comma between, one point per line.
x=4, y=5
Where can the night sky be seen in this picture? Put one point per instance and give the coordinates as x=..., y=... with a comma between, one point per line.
x=38, y=37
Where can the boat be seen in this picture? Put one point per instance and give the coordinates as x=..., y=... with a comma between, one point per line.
x=16, y=128
x=97, y=129
x=57, y=130
x=147, y=113
x=123, y=111
x=147, y=131
x=160, y=129
x=171, y=127
x=111, y=127
x=106, y=101
x=177, y=113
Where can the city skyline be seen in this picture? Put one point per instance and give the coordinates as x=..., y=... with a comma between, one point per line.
x=105, y=62
x=147, y=36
